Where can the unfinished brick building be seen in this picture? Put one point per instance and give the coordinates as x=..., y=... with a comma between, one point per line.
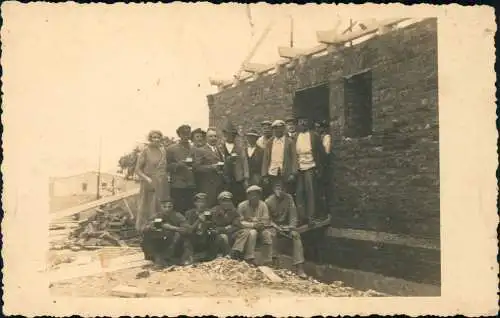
x=381, y=96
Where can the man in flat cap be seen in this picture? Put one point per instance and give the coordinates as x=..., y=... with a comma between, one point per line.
x=284, y=219
x=235, y=170
x=311, y=162
x=256, y=222
x=166, y=237
x=180, y=161
x=255, y=155
x=227, y=221
x=291, y=124
x=206, y=238
x=198, y=137
x=267, y=133
x=279, y=160
x=208, y=168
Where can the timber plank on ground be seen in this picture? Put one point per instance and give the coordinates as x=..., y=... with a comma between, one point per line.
x=270, y=274
x=92, y=205
x=97, y=267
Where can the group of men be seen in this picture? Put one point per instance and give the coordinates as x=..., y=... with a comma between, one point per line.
x=227, y=194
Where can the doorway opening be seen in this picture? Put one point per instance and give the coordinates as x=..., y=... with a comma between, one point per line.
x=313, y=103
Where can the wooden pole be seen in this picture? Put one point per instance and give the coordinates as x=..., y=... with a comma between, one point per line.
x=350, y=28
x=98, y=196
x=291, y=31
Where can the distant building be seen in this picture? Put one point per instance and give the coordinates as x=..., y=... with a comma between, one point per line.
x=85, y=184
x=77, y=189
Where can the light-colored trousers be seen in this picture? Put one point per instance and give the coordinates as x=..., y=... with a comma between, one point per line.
x=246, y=240
x=298, y=249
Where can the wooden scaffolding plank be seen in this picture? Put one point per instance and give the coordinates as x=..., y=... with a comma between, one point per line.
x=92, y=205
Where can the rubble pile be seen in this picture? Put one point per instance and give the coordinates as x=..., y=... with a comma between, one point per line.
x=108, y=226
x=223, y=269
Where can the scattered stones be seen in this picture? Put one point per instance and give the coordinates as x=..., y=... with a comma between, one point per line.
x=249, y=276
x=142, y=274
x=177, y=293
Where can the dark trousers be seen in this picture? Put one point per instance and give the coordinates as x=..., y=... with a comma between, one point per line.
x=183, y=198
x=307, y=194
x=211, y=245
x=165, y=246
x=238, y=190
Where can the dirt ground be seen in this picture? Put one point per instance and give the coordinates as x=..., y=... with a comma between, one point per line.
x=220, y=278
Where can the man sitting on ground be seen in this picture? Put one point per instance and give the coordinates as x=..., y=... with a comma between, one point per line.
x=255, y=220
x=227, y=221
x=166, y=237
x=283, y=215
x=207, y=238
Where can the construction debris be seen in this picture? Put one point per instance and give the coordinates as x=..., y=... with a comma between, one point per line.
x=128, y=292
x=270, y=274
x=223, y=269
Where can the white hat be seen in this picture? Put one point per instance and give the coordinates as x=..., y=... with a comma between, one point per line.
x=254, y=188
x=278, y=123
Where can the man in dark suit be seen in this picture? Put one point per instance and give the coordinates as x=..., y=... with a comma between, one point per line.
x=180, y=161
x=311, y=162
x=291, y=124
x=254, y=155
x=235, y=168
x=279, y=159
x=209, y=168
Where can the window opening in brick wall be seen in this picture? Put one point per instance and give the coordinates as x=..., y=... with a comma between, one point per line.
x=313, y=103
x=358, y=104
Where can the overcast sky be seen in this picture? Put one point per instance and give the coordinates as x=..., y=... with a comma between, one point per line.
x=85, y=71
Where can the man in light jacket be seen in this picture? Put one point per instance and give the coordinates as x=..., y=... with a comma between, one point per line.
x=279, y=160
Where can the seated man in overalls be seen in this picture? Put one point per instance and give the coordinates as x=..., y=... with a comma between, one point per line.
x=166, y=237
x=208, y=238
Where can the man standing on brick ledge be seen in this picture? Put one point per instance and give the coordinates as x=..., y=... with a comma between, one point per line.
x=280, y=159
x=291, y=124
x=180, y=160
x=235, y=170
x=310, y=157
x=267, y=133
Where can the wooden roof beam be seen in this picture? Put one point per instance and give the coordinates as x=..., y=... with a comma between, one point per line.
x=365, y=28
x=257, y=68
x=289, y=52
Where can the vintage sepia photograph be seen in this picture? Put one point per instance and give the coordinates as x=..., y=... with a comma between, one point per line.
x=253, y=151
x=315, y=170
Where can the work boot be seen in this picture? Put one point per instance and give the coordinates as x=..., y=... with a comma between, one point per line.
x=300, y=271
x=276, y=262
x=236, y=255
x=251, y=262
x=188, y=261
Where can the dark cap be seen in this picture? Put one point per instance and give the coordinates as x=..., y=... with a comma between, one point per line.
x=290, y=119
x=198, y=131
x=253, y=132
x=229, y=128
x=183, y=128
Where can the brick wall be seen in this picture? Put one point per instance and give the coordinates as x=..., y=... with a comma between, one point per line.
x=388, y=181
